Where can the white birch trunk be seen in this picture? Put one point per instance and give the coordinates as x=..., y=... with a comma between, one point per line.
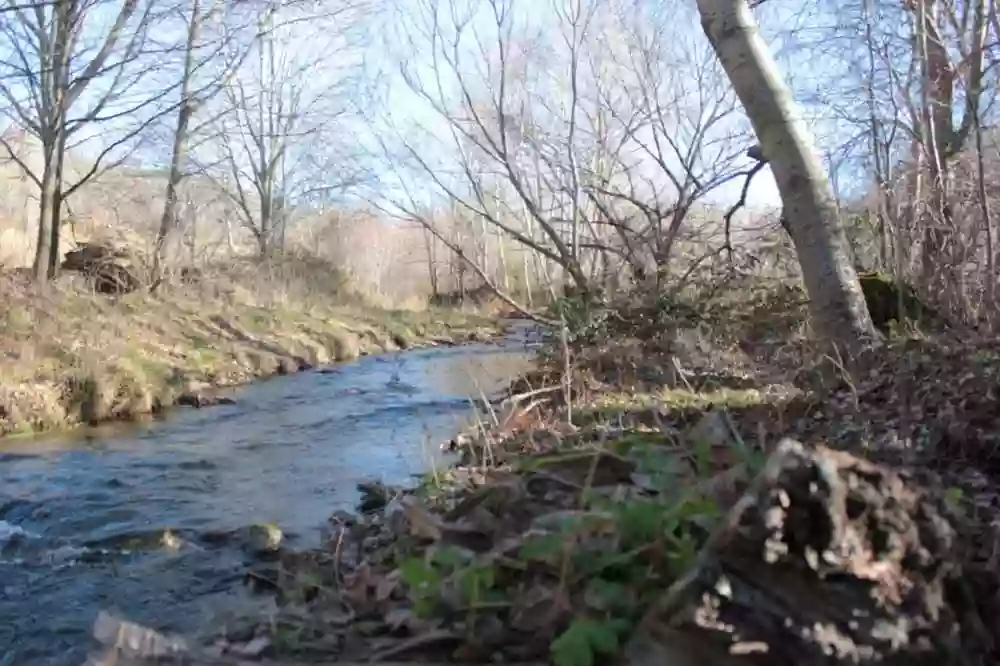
x=837, y=304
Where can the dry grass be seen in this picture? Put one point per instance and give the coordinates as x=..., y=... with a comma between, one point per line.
x=70, y=356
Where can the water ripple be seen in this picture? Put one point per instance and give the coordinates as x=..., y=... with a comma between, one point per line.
x=90, y=522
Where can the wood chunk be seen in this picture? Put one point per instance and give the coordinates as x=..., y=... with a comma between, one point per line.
x=825, y=559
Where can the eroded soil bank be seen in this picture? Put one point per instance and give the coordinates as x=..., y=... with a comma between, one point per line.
x=71, y=357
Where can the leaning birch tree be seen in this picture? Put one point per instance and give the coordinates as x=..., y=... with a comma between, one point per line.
x=837, y=304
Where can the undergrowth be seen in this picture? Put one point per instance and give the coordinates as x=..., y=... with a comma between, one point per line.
x=605, y=484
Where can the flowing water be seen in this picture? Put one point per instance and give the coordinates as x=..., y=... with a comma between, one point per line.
x=128, y=519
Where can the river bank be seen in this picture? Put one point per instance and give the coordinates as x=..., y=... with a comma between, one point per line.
x=73, y=357
x=680, y=489
x=158, y=521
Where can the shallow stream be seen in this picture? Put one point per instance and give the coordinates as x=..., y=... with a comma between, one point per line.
x=129, y=518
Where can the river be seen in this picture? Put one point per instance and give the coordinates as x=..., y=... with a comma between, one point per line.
x=83, y=518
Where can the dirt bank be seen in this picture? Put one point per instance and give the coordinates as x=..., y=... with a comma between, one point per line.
x=69, y=356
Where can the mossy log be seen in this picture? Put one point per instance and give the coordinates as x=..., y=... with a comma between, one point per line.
x=885, y=296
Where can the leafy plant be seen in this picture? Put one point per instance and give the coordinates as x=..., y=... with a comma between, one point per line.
x=423, y=581
x=586, y=638
x=426, y=577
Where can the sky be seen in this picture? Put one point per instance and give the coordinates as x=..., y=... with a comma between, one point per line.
x=796, y=60
x=790, y=31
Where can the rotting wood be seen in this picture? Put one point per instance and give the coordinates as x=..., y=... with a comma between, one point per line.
x=825, y=559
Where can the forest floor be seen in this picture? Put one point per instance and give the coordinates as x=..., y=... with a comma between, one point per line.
x=682, y=484
x=69, y=356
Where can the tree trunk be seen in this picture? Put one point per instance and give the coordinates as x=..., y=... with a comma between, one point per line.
x=942, y=140
x=431, y=263
x=264, y=237
x=46, y=201
x=168, y=220
x=47, y=255
x=837, y=304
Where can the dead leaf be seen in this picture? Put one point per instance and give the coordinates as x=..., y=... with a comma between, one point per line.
x=538, y=610
x=596, y=467
x=431, y=638
x=405, y=619
x=135, y=640
x=254, y=648
x=386, y=586
x=422, y=523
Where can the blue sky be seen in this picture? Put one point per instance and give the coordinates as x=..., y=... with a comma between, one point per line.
x=795, y=53
x=796, y=34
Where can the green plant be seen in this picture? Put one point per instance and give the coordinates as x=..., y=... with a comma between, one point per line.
x=425, y=578
x=585, y=638
x=599, y=565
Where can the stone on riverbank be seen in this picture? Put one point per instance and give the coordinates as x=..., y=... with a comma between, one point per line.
x=263, y=538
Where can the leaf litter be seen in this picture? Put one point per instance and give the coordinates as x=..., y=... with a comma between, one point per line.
x=760, y=503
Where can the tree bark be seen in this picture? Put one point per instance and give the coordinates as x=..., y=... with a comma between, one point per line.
x=837, y=304
x=942, y=140
x=825, y=559
x=55, y=208
x=46, y=205
x=168, y=220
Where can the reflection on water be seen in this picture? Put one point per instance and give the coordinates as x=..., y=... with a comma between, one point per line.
x=83, y=518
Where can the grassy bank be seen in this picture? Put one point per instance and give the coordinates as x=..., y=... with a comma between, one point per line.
x=70, y=356
x=648, y=505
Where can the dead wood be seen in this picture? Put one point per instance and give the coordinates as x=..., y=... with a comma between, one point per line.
x=826, y=559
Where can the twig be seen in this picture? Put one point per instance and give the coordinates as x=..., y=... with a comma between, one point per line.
x=514, y=399
x=567, y=371
x=756, y=153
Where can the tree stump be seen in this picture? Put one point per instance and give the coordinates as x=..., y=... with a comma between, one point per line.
x=825, y=559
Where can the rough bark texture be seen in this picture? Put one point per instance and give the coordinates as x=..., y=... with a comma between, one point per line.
x=826, y=559
x=837, y=304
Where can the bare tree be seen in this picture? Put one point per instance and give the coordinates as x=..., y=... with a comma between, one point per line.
x=207, y=65
x=928, y=75
x=63, y=73
x=837, y=304
x=573, y=139
x=940, y=81
x=276, y=136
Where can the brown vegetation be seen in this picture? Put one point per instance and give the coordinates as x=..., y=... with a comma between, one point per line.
x=73, y=355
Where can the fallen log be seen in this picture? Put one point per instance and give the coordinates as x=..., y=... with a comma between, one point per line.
x=825, y=559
